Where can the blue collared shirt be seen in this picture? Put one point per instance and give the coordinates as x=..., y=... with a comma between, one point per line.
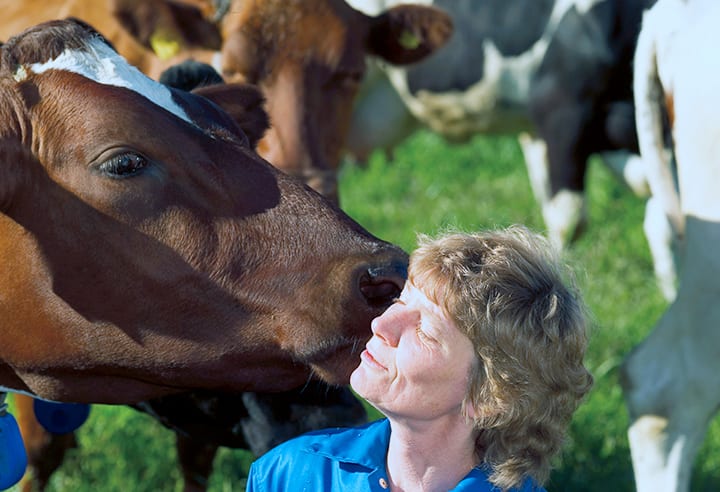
x=345, y=459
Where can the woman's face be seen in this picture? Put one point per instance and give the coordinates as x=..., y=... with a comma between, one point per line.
x=417, y=363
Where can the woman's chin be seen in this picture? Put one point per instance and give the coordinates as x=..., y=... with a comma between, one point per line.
x=358, y=380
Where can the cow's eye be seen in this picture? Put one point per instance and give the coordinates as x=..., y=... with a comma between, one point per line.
x=123, y=165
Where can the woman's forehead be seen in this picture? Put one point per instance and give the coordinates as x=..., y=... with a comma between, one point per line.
x=414, y=296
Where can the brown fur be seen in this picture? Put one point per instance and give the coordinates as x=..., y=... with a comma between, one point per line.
x=117, y=281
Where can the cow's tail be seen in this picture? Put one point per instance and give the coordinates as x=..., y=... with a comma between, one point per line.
x=649, y=105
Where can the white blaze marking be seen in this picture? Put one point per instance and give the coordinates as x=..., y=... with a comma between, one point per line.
x=103, y=65
x=377, y=7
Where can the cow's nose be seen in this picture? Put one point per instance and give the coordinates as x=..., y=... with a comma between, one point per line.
x=382, y=284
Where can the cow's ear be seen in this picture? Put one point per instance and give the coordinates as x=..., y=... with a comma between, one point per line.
x=165, y=26
x=190, y=74
x=408, y=33
x=245, y=103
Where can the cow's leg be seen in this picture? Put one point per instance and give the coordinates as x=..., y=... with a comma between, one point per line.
x=196, y=461
x=669, y=417
x=620, y=134
x=630, y=169
x=45, y=451
x=660, y=235
x=662, y=243
x=671, y=383
x=535, y=153
x=564, y=128
x=563, y=212
x=663, y=450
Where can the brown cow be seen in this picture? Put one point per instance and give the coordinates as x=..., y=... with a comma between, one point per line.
x=308, y=57
x=155, y=252
x=203, y=421
x=142, y=261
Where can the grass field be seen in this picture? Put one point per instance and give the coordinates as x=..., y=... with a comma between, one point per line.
x=430, y=186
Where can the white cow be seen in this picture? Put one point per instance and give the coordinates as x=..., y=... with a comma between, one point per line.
x=672, y=379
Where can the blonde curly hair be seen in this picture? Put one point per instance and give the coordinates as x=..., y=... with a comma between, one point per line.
x=510, y=294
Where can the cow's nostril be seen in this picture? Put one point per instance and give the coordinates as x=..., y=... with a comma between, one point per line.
x=381, y=285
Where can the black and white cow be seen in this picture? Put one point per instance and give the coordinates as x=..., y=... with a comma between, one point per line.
x=556, y=72
x=671, y=381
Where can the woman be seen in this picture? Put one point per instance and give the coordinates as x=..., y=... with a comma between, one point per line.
x=478, y=368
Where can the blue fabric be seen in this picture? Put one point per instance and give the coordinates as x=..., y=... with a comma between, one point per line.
x=346, y=459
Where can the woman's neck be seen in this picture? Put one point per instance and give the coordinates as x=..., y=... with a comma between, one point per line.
x=429, y=456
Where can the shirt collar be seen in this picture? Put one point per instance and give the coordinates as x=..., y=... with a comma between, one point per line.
x=366, y=445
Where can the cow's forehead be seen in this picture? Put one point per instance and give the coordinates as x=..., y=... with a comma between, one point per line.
x=102, y=64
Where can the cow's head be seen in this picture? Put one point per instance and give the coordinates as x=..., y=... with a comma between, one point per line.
x=147, y=249
x=308, y=56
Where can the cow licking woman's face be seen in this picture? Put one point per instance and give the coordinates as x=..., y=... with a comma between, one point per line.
x=148, y=256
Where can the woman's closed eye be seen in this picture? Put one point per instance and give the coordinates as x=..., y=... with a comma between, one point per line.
x=423, y=336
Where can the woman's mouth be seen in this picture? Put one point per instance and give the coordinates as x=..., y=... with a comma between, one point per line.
x=368, y=358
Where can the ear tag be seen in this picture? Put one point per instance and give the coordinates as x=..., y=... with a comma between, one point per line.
x=60, y=418
x=20, y=74
x=409, y=40
x=164, y=45
x=13, y=459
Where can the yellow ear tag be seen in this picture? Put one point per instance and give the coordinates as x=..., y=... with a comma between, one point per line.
x=20, y=74
x=408, y=40
x=164, y=46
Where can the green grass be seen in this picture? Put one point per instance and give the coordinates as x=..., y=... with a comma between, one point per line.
x=430, y=186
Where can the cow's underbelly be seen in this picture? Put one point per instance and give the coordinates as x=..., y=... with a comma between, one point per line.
x=495, y=104
x=459, y=116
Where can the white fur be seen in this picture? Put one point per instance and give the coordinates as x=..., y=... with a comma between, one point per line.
x=377, y=7
x=630, y=169
x=535, y=152
x=564, y=213
x=671, y=380
x=103, y=65
x=662, y=243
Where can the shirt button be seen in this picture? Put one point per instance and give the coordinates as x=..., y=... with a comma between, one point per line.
x=383, y=483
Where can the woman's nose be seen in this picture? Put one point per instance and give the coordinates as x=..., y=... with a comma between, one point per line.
x=387, y=327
